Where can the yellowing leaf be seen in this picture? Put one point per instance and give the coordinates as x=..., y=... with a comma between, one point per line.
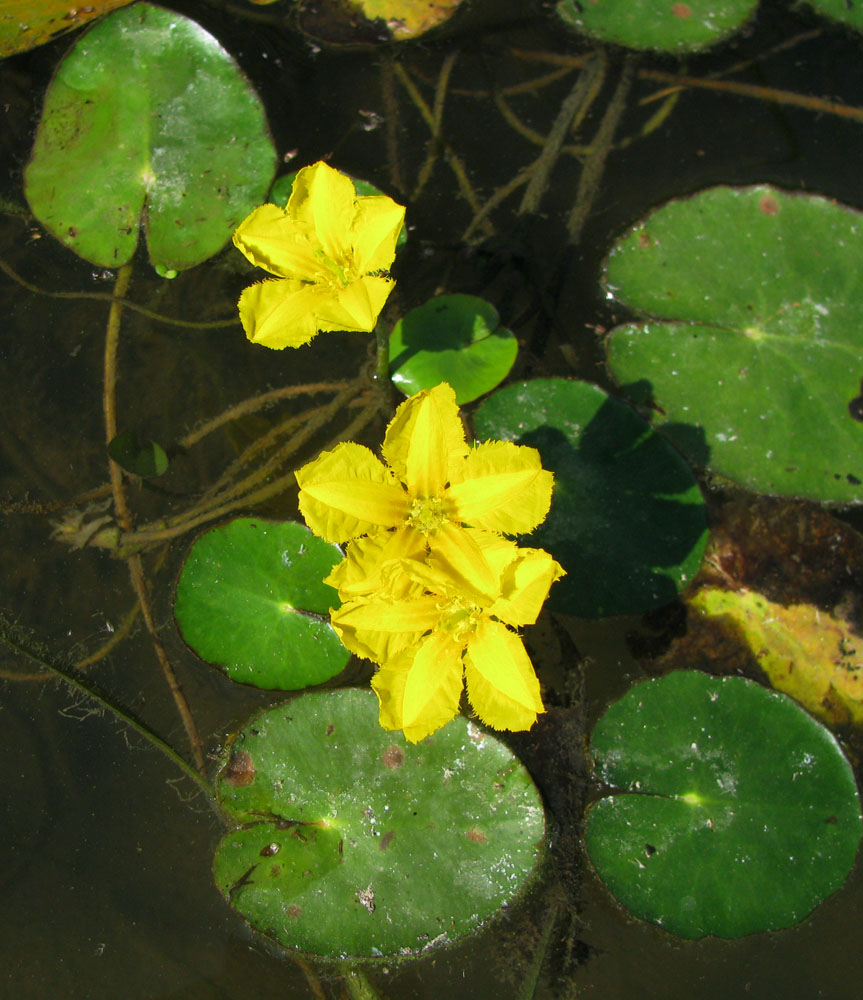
x=408, y=18
x=24, y=24
x=806, y=653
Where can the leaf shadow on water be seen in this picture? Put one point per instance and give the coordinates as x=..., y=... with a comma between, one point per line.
x=626, y=520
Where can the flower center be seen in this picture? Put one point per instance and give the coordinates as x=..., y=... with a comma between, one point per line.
x=459, y=619
x=338, y=274
x=427, y=514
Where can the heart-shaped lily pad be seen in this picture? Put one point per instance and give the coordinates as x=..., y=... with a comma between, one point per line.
x=756, y=361
x=251, y=600
x=735, y=811
x=657, y=24
x=148, y=117
x=451, y=338
x=627, y=521
x=354, y=843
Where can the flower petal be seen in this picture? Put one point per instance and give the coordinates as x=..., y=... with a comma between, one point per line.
x=379, y=629
x=460, y=567
x=279, y=313
x=501, y=683
x=324, y=200
x=372, y=565
x=270, y=239
x=377, y=224
x=501, y=486
x=525, y=584
x=348, y=492
x=424, y=439
x=356, y=307
x=420, y=691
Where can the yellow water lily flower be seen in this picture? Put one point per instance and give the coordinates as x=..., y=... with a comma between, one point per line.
x=431, y=478
x=475, y=588
x=328, y=248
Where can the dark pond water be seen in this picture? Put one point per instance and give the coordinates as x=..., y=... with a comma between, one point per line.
x=105, y=884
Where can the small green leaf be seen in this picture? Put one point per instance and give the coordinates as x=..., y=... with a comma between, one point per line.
x=757, y=360
x=627, y=521
x=733, y=812
x=148, y=117
x=455, y=339
x=353, y=843
x=661, y=25
x=138, y=455
x=251, y=599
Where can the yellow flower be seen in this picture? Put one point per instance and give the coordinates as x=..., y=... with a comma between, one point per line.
x=431, y=479
x=453, y=625
x=328, y=247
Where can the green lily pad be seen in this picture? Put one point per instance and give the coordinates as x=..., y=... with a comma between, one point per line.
x=627, y=521
x=148, y=117
x=661, y=25
x=138, y=455
x=839, y=10
x=757, y=362
x=733, y=812
x=250, y=599
x=451, y=338
x=354, y=843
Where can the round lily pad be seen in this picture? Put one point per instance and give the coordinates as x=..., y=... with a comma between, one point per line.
x=756, y=359
x=733, y=812
x=352, y=842
x=627, y=520
x=250, y=599
x=148, y=118
x=451, y=338
x=661, y=25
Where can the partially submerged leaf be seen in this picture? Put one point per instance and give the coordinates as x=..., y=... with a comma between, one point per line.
x=138, y=455
x=807, y=653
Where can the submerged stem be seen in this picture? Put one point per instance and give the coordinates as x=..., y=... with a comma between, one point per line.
x=10, y=637
x=124, y=515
